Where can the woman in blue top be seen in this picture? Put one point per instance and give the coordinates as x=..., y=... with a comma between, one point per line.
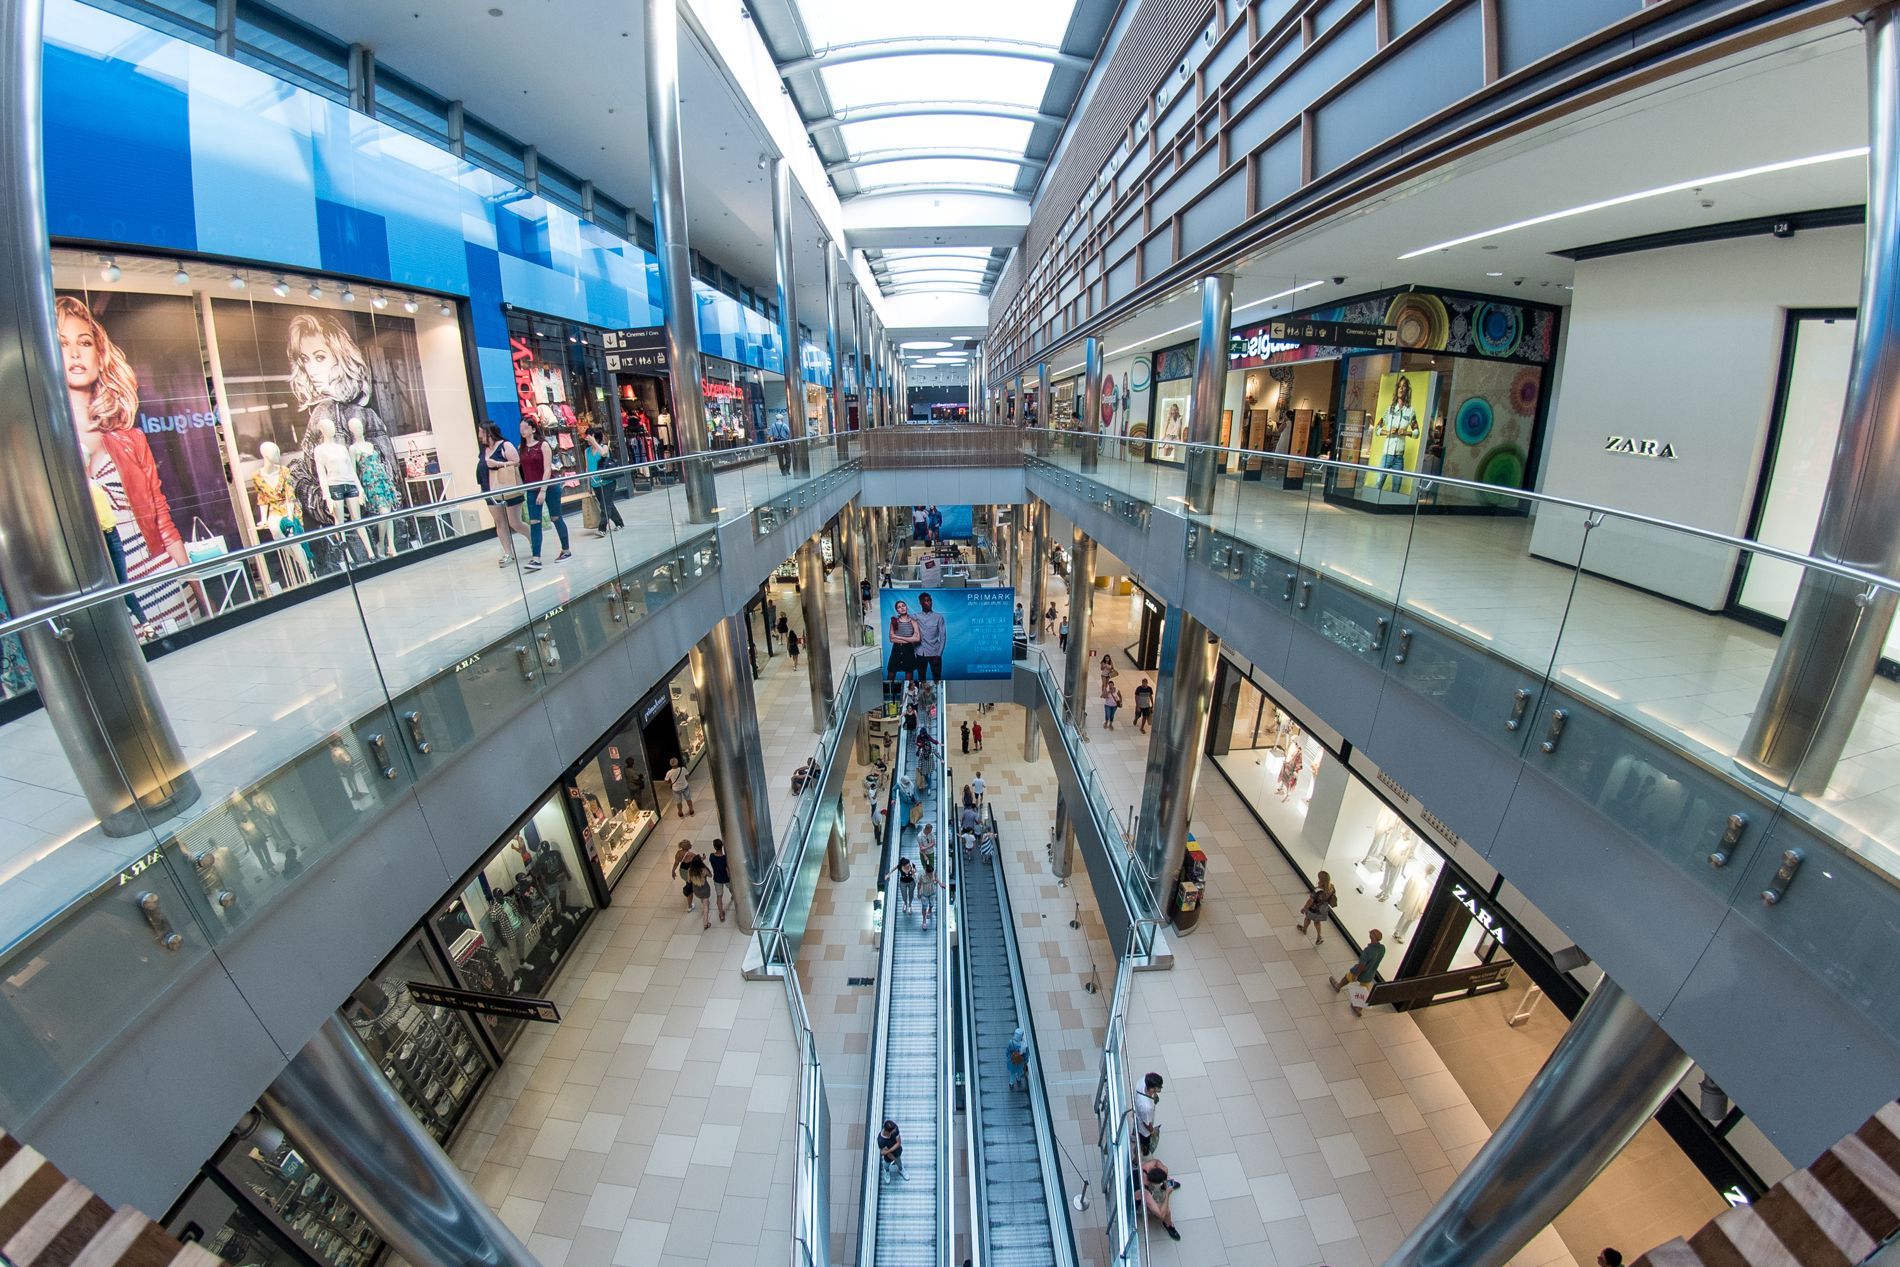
x=599, y=455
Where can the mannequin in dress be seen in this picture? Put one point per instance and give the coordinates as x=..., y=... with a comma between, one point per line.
x=1381, y=839
x=1412, y=902
x=1397, y=854
x=341, y=487
x=379, y=491
x=278, y=512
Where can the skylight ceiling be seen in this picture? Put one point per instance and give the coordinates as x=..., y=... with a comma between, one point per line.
x=968, y=98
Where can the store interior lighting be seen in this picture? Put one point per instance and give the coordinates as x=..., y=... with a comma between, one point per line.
x=381, y=301
x=315, y=291
x=237, y=282
x=281, y=288
x=181, y=277
x=409, y=304
x=445, y=309
x=349, y=296
x=1681, y=186
x=110, y=270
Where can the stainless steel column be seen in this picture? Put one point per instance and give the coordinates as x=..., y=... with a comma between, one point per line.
x=857, y=356
x=92, y=676
x=782, y=247
x=811, y=594
x=1091, y=401
x=1210, y=387
x=1081, y=599
x=1043, y=411
x=1037, y=560
x=1184, y=689
x=1825, y=662
x=834, y=344
x=337, y=1108
x=1032, y=735
x=730, y=714
x=679, y=310
x=1609, y=1074
x=837, y=856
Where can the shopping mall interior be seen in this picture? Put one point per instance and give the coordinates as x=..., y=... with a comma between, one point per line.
x=1130, y=633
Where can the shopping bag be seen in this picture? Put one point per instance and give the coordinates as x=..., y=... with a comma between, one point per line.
x=203, y=543
x=1357, y=995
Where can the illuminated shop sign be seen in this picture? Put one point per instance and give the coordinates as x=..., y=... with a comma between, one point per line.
x=722, y=391
x=1661, y=450
x=1465, y=896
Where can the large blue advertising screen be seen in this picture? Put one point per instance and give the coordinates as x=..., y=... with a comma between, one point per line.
x=938, y=634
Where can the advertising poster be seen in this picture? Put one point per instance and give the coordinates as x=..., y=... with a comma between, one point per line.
x=938, y=635
x=290, y=368
x=959, y=523
x=1170, y=424
x=148, y=432
x=1404, y=409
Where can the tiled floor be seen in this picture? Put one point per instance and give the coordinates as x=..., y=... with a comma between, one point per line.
x=245, y=701
x=655, y=1126
x=1688, y=676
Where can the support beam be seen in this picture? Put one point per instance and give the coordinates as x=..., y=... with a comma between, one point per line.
x=1081, y=601
x=730, y=713
x=786, y=267
x=1210, y=386
x=679, y=308
x=811, y=594
x=1182, y=698
x=1091, y=401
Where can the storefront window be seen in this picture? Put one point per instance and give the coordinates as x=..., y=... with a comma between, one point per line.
x=216, y=1220
x=214, y=418
x=615, y=792
x=1173, y=388
x=686, y=716
x=514, y=922
x=289, y=1193
x=430, y=1054
x=561, y=383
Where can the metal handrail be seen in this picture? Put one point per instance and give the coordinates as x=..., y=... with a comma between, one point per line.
x=972, y=1102
x=208, y=567
x=947, y=1072
x=1724, y=539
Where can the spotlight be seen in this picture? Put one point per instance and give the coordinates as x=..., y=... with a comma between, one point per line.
x=381, y=300
x=236, y=282
x=110, y=269
x=315, y=291
x=409, y=304
x=349, y=296
x=280, y=288
x=445, y=309
x=181, y=277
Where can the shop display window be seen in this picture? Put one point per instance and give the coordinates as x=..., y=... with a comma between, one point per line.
x=561, y=383
x=213, y=419
x=285, y=1189
x=616, y=797
x=233, y=1230
x=513, y=923
x=430, y=1055
x=686, y=717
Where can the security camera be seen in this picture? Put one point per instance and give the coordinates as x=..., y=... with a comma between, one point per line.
x=1517, y=281
x=1339, y=281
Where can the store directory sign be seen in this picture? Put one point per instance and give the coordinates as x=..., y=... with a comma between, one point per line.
x=939, y=635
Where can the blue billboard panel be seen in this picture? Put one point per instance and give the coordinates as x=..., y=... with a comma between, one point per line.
x=939, y=634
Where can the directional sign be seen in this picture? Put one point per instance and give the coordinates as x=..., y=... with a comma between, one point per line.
x=639, y=351
x=1338, y=334
x=519, y=1009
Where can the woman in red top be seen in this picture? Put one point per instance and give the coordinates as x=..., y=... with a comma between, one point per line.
x=544, y=504
x=103, y=390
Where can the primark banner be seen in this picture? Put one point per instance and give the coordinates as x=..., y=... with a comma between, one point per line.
x=937, y=635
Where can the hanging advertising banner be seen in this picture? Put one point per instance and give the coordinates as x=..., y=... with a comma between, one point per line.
x=148, y=433
x=945, y=634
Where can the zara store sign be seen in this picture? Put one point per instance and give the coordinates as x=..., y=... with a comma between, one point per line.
x=1635, y=447
x=1463, y=894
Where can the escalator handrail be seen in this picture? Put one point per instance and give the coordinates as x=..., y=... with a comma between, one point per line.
x=972, y=1100
x=946, y=1074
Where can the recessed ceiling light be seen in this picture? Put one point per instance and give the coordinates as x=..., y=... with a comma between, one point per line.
x=1494, y=274
x=925, y=345
x=1680, y=186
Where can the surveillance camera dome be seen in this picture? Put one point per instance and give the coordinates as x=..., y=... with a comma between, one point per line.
x=1339, y=281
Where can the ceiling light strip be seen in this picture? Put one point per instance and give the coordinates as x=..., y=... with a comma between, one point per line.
x=1682, y=186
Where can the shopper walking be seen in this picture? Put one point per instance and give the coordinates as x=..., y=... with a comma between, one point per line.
x=699, y=875
x=1144, y=706
x=1049, y=619
x=966, y=736
x=890, y=1151
x=606, y=487
x=682, y=856
x=1147, y=1104
x=907, y=883
x=1319, y=907
x=792, y=643
x=1111, y=700
x=1363, y=971
x=544, y=504
x=780, y=430
x=976, y=735
x=1016, y=1055
x=682, y=785
x=1063, y=634
x=927, y=846
x=500, y=474
x=927, y=886
x=721, y=876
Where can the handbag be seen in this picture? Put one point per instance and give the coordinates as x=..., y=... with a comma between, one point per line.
x=203, y=543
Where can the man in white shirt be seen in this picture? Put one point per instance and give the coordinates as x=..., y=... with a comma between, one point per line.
x=976, y=787
x=1146, y=1101
x=682, y=784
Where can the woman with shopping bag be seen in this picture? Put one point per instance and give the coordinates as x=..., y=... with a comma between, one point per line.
x=1362, y=973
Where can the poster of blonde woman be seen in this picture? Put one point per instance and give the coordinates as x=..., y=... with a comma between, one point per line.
x=148, y=434
x=1404, y=408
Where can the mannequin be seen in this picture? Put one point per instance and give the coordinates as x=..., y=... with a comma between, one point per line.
x=341, y=487
x=1411, y=902
x=1381, y=839
x=278, y=513
x=1397, y=854
x=379, y=492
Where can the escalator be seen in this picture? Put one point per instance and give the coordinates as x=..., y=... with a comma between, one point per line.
x=1021, y=1218
x=907, y=1221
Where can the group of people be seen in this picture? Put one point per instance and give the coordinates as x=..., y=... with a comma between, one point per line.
x=1112, y=696
x=704, y=879
x=926, y=524
x=1320, y=903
